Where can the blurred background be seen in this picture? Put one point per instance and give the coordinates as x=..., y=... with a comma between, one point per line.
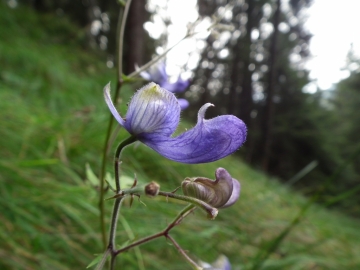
x=288, y=68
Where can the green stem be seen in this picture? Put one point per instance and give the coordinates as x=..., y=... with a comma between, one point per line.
x=120, y=147
x=102, y=183
x=114, y=219
x=120, y=37
x=138, y=190
x=117, y=205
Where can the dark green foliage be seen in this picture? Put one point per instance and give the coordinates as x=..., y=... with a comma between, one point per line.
x=344, y=105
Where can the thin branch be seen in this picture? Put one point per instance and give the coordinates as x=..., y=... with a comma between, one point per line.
x=156, y=59
x=182, y=252
x=120, y=39
x=103, y=260
x=186, y=211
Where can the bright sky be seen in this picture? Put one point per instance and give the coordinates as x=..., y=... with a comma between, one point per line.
x=335, y=26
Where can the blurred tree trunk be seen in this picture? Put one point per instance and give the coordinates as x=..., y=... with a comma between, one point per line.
x=267, y=123
x=38, y=5
x=105, y=5
x=245, y=97
x=135, y=36
x=235, y=81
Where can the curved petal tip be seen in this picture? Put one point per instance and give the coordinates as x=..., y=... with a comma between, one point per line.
x=235, y=193
x=111, y=105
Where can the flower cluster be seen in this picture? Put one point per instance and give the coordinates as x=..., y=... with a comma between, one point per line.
x=157, y=74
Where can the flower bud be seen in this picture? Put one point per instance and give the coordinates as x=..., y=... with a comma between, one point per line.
x=152, y=189
x=222, y=192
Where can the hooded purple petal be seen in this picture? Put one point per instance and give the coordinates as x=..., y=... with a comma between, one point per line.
x=208, y=141
x=156, y=74
x=177, y=87
x=152, y=110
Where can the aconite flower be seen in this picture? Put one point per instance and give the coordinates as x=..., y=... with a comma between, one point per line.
x=221, y=263
x=222, y=192
x=154, y=114
x=157, y=74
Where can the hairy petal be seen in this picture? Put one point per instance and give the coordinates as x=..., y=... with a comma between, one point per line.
x=152, y=110
x=111, y=105
x=208, y=141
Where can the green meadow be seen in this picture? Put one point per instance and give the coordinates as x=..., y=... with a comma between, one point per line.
x=53, y=126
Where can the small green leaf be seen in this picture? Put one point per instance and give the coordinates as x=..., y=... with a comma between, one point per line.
x=110, y=180
x=95, y=261
x=38, y=162
x=90, y=175
x=127, y=181
x=122, y=2
x=126, y=243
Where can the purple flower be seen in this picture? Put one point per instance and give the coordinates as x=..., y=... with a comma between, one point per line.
x=221, y=263
x=221, y=193
x=154, y=114
x=157, y=74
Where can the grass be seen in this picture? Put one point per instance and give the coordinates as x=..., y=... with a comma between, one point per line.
x=53, y=121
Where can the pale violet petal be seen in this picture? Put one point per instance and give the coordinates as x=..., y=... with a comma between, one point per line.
x=235, y=193
x=111, y=105
x=145, y=75
x=183, y=103
x=152, y=110
x=176, y=87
